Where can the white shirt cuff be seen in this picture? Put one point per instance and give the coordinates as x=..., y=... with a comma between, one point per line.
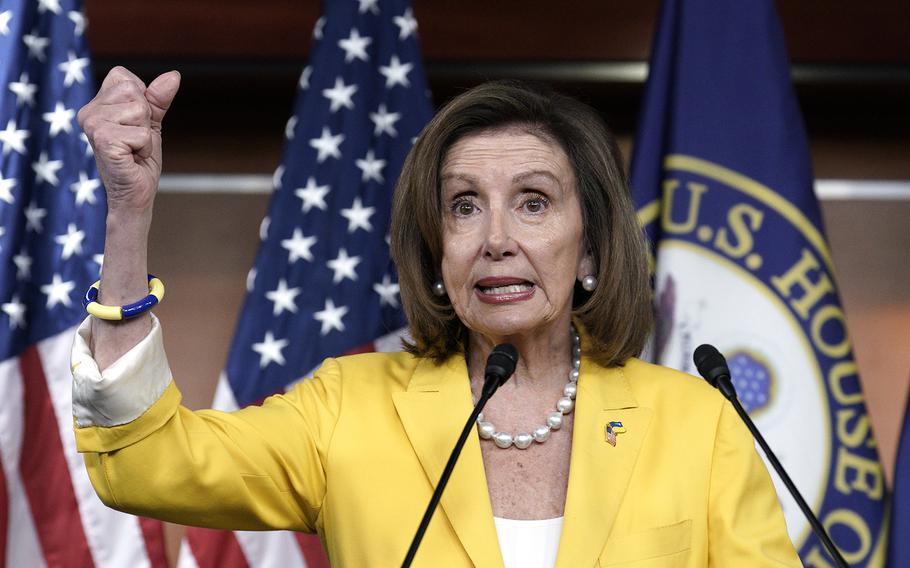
x=125, y=390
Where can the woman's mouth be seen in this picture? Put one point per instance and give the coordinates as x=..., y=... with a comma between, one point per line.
x=504, y=290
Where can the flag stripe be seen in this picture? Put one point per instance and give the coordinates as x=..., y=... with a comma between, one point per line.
x=153, y=536
x=214, y=549
x=45, y=474
x=274, y=548
x=312, y=551
x=22, y=547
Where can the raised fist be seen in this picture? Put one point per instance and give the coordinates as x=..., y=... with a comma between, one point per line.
x=123, y=125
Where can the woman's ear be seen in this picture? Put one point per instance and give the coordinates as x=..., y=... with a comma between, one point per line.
x=585, y=266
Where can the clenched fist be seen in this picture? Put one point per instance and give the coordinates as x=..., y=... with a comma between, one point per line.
x=123, y=125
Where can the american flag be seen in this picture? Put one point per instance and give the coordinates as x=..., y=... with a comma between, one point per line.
x=323, y=284
x=52, y=210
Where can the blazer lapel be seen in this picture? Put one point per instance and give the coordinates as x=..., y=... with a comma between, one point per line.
x=599, y=472
x=433, y=411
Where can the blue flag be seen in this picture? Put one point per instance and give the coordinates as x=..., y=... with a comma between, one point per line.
x=723, y=182
x=323, y=284
x=899, y=553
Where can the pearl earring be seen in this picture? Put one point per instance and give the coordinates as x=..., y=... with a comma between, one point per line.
x=589, y=282
x=439, y=289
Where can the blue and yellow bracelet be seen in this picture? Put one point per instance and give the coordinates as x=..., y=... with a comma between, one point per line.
x=117, y=313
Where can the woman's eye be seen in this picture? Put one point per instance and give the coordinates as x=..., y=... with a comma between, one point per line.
x=535, y=205
x=463, y=208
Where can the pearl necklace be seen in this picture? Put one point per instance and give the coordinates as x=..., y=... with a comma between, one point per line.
x=540, y=434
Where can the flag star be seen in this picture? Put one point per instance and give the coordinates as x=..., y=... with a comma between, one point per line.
x=283, y=298
x=385, y=121
x=13, y=139
x=313, y=195
x=355, y=47
x=330, y=317
x=370, y=167
x=368, y=6
x=24, y=91
x=340, y=95
x=388, y=291
x=71, y=241
x=289, y=127
x=78, y=18
x=88, y=145
x=60, y=120
x=396, y=73
x=344, y=266
x=52, y=5
x=264, y=228
x=358, y=216
x=6, y=189
x=16, y=312
x=276, y=177
x=34, y=216
x=46, y=170
x=99, y=260
x=73, y=69
x=317, y=29
x=251, y=279
x=407, y=25
x=270, y=350
x=304, y=81
x=298, y=246
x=85, y=189
x=327, y=145
x=5, y=17
x=23, y=264
x=58, y=292
x=36, y=45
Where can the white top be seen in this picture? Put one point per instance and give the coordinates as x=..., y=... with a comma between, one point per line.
x=528, y=544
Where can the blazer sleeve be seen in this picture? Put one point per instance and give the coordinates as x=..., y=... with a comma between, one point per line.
x=745, y=522
x=258, y=468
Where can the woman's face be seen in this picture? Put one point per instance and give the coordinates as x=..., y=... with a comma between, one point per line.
x=513, y=240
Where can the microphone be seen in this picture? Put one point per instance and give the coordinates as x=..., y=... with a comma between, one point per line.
x=500, y=365
x=712, y=365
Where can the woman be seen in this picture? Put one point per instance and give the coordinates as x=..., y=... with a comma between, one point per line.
x=511, y=222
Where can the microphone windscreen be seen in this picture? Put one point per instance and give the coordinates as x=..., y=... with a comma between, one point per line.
x=710, y=363
x=501, y=362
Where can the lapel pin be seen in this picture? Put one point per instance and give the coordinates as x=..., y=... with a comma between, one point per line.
x=611, y=430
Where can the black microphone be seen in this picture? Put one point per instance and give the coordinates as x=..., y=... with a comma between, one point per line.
x=713, y=367
x=500, y=366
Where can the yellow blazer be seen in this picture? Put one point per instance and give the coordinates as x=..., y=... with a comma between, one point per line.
x=355, y=452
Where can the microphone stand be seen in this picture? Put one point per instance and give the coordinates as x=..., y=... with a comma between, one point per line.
x=447, y=472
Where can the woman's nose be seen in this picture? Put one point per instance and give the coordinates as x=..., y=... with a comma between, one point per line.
x=499, y=242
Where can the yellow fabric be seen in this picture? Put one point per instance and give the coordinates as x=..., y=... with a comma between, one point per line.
x=354, y=454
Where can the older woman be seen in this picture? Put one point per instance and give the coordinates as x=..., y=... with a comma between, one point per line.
x=512, y=222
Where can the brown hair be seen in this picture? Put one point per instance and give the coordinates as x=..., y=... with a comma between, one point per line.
x=617, y=314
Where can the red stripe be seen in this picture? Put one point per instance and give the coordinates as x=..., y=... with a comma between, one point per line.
x=368, y=347
x=45, y=476
x=153, y=534
x=312, y=550
x=4, y=512
x=215, y=549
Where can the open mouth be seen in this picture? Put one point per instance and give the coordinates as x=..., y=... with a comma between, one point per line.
x=510, y=289
x=501, y=290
